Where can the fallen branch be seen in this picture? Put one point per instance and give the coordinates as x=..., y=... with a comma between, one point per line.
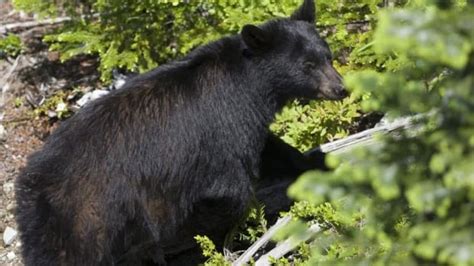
x=10, y=72
x=4, y=83
x=15, y=120
x=32, y=24
x=286, y=246
x=247, y=255
x=365, y=137
x=40, y=23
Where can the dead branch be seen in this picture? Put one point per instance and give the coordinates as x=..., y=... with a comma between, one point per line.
x=247, y=255
x=365, y=137
x=4, y=82
x=18, y=26
x=32, y=24
x=10, y=72
x=286, y=246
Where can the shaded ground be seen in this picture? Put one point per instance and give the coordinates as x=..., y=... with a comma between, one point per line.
x=21, y=139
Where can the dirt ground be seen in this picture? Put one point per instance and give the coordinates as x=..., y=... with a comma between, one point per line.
x=25, y=83
x=20, y=140
x=16, y=141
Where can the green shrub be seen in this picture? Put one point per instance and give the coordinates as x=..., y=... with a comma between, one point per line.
x=214, y=258
x=54, y=106
x=414, y=192
x=254, y=226
x=307, y=126
x=11, y=45
x=139, y=35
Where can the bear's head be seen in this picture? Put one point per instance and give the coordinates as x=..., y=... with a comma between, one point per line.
x=291, y=55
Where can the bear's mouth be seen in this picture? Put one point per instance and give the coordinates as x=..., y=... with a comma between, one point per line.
x=332, y=95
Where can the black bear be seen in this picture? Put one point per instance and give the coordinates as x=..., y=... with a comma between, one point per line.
x=280, y=165
x=116, y=181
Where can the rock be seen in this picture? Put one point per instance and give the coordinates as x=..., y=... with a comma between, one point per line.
x=11, y=255
x=119, y=83
x=11, y=206
x=3, y=133
x=91, y=96
x=61, y=107
x=52, y=114
x=119, y=80
x=9, y=236
x=8, y=187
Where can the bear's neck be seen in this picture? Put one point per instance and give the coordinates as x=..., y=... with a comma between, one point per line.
x=243, y=106
x=218, y=73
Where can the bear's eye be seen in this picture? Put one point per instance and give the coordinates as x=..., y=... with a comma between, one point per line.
x=309, y=65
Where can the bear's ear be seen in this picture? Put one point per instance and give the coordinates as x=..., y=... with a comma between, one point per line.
x=306, y=12
x=254, y=37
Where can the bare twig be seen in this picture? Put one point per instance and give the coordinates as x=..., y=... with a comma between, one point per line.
x=16, y=120
x=32, y=24
x=365, y=137
x=10, y=72
x=4, y=83
x=247, y=255
x=288, y=245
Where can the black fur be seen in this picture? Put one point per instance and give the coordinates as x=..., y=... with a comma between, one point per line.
x=117, y=180
x=281, y=164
